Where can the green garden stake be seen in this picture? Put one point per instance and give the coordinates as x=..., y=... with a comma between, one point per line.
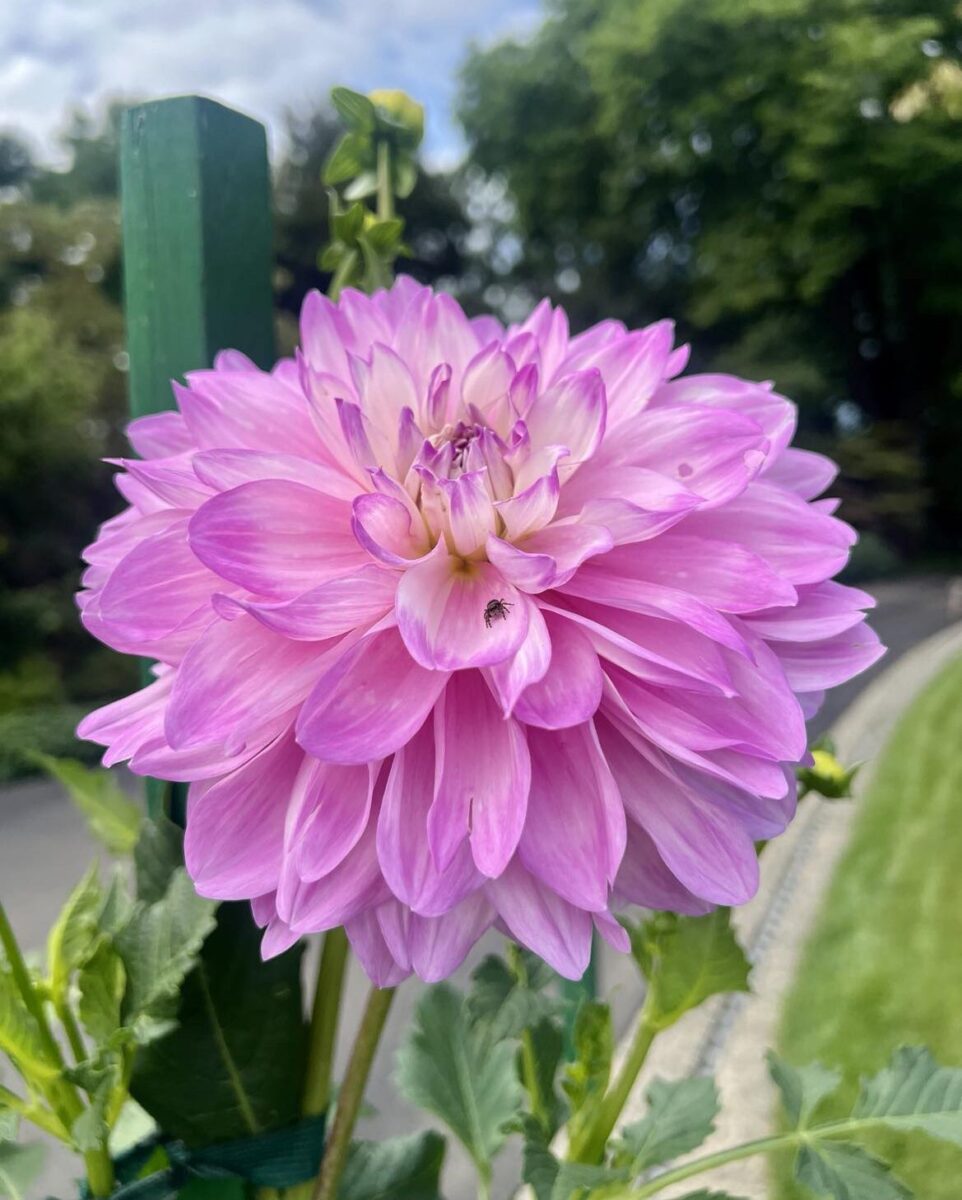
x=196, y=215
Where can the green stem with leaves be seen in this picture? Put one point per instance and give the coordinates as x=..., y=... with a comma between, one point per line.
x=590, y=1147
x=385, y=184
x=352, y=1092
x=62, y=1096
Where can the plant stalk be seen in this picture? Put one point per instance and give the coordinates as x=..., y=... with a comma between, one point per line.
x=385, y=185
x=324, y=1020
x=352, y=1092
x=590, y=1147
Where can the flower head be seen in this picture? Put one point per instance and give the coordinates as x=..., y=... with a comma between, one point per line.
x=460, y=625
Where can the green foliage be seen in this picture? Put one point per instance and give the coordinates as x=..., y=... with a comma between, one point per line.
x=827, y=776
x=802, y=1088
x=680, y=1116
x=404, y=1168
x=20, y=1038
x=847, y=1173
x=44, y=730
x=114, y=819
x=882, y=966
x=235, y=1062
x=686, y=960
x=450, y=1067
x=586, y=1077
x=74, y=935
x=19, y=1167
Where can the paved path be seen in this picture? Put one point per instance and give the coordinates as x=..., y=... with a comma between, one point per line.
x=44, y=847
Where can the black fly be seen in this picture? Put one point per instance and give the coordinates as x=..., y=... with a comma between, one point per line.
x=496, y=610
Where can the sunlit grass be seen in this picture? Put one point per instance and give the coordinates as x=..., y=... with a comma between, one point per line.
x=884, y=964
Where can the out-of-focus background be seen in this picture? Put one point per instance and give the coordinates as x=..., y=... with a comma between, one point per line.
x=782, y=177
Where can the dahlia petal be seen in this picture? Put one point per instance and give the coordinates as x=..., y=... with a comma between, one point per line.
x=330, y=609
x=247, y=410
x=508, y=679
x=234, y=843
x=823, y=610
x=155, y=758
x=387, y=530
x=812, y=666
x=614, y=934
x=550, y=556
x=529, y=572
x=434, y=947
x=278, y=939
x=701, y=844
x=799, y=542
x=442, y=604
x=644, y=879
x=803, y=472
x=573, y=802
x=483, y=774
x=223, y=470
x=570, y=413
x=158, y=435
x=487, y=378
x=325, y=335
x=275, y=538
x=327, y=814
x=775, y=415
x=172, y=480
x=384, y=387
x=570, y=690
x=540, y=919
x=722, y=574
x=632, y=367
x=402, y=842
x=470, y=513
x=367, y=942
x=352, y=887
x=237, y=678
x=531, y=509
x=367, y=702
x=126, y=724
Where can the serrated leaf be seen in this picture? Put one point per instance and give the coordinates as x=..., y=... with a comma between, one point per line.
x=547, y=1043
x=451, y=1069
x=20, y=1038
x=158, y=854
x=586, y=1077
x=159, y=946
x=506, y=1006
x=680, y=1116
x=914, y=1092
x=578, y=1179
x=846, y=1172
x=118, y=906
x=403, y=1168
x=539, y=1167
x=802, y=1088
x=74, y=935
x=19, y=1167
x=235, y=1058
x=113, y=817
x=686, y=960
x=102, y=982
x=356, y=109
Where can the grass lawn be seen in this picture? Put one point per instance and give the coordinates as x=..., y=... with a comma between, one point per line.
x=884, y=964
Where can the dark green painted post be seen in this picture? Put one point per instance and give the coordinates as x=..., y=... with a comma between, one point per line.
x=196, y=216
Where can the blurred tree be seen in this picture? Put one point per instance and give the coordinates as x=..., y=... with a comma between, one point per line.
x=784, y=176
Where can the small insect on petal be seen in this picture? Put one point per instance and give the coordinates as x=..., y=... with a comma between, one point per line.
x=496, y=610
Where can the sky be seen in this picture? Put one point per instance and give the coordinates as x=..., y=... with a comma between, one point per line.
x=261, y=56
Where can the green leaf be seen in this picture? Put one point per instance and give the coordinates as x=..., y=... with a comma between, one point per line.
x=403, y=1168
x=802, y=1088
x=504, y=1003
x=19, y=1167
x=102, y=982
x=405, y=176
x=365, y=184
x=235, y=1061
x=914, y=1092
x=356, y=109
x=686, y=960
x=681, y=1115
x=539, y=1167
x=118, y=906
x=846, y=1172
x=347, y=225
x=158, y=854
x=547, y=1042
x=349, y=158
x=113, y=817
x=159, y=946
x=20, y=1038
x=575, y=1179
x=385, y=236
x=586, y=1077
x=705, y=1195
x=451, y=1069
x=74, y=935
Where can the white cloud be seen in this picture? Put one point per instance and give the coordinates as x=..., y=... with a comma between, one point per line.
x=262, y=56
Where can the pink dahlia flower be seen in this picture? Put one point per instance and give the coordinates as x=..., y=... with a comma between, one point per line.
x=461, y=626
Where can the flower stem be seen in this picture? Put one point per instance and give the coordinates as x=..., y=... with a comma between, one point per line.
x=352, y=1092
x=590, y=1147
x=709, y=1162
x=327, y=1006
x=62, y=1096
x=385, y=186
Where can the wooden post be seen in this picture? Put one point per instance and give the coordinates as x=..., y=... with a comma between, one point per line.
x=196, y=219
